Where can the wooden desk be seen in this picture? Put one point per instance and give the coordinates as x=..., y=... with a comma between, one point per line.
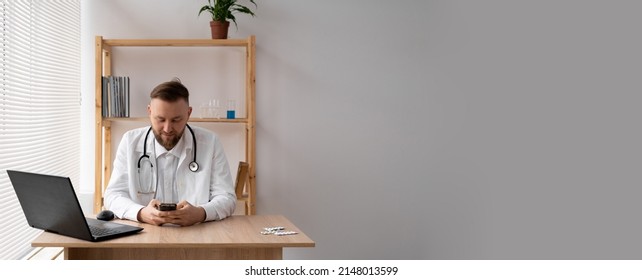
x=234, y=238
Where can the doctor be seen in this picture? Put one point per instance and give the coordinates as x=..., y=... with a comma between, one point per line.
x=170, y=162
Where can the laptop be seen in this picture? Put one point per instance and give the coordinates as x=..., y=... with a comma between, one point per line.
x=50, y=203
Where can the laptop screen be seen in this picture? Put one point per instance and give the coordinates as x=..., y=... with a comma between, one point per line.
x=50, y=203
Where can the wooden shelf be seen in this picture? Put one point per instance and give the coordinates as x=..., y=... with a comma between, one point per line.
x=203, y=120
x=176, y=43
x=103, y=143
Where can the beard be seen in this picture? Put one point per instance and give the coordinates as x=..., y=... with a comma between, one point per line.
x=168, y=141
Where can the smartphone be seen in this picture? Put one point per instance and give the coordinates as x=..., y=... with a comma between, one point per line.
x=167, y=206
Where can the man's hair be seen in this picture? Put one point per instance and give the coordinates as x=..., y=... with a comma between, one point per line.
x=170, y=91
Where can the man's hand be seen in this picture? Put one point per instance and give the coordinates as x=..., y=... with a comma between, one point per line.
x=150, y=214
x=184, y=215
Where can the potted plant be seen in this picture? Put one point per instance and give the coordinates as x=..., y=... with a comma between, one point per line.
x=222, y=11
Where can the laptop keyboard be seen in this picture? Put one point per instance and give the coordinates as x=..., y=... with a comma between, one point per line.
x=101, y=231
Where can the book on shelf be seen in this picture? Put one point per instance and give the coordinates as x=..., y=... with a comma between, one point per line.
x=115, y=97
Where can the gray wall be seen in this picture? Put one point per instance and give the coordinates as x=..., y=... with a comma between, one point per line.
x=434, y=129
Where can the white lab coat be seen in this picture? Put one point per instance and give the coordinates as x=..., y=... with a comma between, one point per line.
x=210, y=187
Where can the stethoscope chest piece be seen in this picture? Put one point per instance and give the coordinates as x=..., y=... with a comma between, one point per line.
x=193, y=166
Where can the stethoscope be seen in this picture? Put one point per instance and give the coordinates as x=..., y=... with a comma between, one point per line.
x=193, y=166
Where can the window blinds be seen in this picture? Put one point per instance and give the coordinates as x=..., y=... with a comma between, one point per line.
x=39, y=103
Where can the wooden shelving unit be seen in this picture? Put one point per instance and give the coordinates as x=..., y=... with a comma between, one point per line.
x=103, y=125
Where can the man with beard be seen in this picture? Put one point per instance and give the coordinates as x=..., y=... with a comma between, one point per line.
x=177, y=165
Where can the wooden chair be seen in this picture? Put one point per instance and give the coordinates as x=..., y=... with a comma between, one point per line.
x=242, y=176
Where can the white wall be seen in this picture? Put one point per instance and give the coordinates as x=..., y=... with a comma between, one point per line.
x=433, y=129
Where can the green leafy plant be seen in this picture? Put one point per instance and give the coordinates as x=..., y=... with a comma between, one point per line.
x=223, y=10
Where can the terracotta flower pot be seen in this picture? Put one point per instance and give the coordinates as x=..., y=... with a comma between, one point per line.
x=219, y=29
